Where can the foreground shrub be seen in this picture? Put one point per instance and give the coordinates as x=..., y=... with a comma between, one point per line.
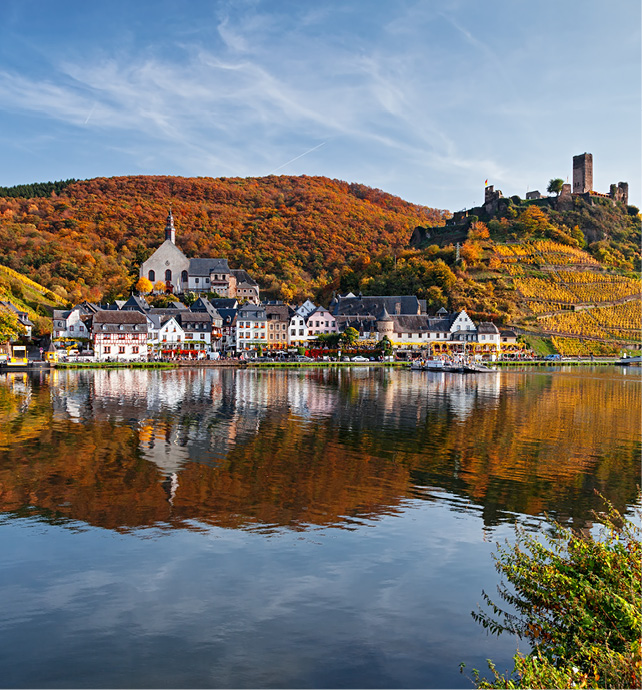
x=577, y=600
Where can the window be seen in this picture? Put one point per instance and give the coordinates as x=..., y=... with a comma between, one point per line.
x=71, y=328
x=197, y=280
x=184, y=276
x=202, y=336
x=107, y=350
x=300, y=331
x=168, y=275
x=152, y=276
x=135, y=349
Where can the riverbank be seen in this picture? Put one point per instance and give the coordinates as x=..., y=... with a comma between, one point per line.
x=242, y=364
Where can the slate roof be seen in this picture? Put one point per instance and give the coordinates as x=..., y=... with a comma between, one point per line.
x=111, y=321
x=277, y=312
x=487, y=327
x=373, y=306
x=242, y=276
x=203, y=267
x=23, y=317
x=224, y=302
x=195, y=319
x=106, y=316
x=135, y=302
x=251, y=311
x=228, y=316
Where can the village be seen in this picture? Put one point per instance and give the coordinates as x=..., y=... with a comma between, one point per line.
x=226, y=318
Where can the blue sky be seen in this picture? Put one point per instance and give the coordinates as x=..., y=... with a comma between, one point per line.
x=423, y=99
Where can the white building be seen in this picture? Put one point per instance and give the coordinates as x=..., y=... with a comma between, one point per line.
x=251, y=327
x=119, y=336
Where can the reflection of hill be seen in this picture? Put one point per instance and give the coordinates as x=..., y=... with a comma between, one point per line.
x=237, y=448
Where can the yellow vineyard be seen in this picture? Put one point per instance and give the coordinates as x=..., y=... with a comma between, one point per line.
x=572, y=297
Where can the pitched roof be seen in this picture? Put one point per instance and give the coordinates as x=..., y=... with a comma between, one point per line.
x=203, y=267
x=224, y=302
x=135, y=302
x=373, y=305
x=107, y=316
x=242, y=276
x=487, y=327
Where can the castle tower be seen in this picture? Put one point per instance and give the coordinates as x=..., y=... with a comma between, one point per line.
x=385, y=324
x=582, y=173
x=170, y=231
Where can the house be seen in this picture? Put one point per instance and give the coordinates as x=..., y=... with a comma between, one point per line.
x=71, y=325
x=320, y=320
x=251, y=327
x=298, y=329
x=23, y=317
x=203, y=305
x=119, y=335
x=488, y=336
x=508, y=338
x=228, y=329
x=197, y=327
x=171, y=337
x=278, y=322
x=246, y=287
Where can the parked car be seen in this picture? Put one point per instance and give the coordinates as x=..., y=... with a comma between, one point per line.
x=551, y=357
x=359, y=358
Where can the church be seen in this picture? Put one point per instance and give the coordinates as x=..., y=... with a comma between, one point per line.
x=180, y=274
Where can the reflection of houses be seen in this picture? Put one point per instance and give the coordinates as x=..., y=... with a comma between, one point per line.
x=169, y=266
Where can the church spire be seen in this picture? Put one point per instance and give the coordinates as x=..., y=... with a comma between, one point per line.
x=170, y=231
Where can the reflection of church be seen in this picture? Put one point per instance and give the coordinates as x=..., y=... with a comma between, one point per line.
x=170, y=266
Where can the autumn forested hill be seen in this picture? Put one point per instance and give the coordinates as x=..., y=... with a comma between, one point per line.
x=292, y=234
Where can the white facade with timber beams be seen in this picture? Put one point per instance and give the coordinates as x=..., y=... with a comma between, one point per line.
x=119, y=336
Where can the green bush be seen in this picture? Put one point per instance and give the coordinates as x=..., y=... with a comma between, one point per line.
x=576, y=599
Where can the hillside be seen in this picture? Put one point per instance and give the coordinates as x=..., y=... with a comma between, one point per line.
x=29, y=296
x=530, y=269
x=566, y=277
x=292, y=234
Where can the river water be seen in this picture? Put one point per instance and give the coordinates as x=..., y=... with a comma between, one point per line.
x=285, y=528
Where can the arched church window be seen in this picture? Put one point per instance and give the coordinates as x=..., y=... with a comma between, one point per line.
x=168, y=275
x=184, y=276
x=152, y=276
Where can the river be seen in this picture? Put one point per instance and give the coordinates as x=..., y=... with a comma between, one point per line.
x=304, y=528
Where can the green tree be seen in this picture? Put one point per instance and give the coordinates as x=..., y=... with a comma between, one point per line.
x=577, y=599
x=350, y=335
x=555, y=186
x=386, y=346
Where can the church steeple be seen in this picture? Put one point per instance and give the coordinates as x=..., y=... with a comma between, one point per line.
x=170, y=231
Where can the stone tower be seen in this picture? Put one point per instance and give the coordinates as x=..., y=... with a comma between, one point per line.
x=582, y=173
x=384, y=324
x=170, y=231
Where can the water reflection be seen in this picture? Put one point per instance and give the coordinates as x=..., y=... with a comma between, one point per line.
x=271, y=448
